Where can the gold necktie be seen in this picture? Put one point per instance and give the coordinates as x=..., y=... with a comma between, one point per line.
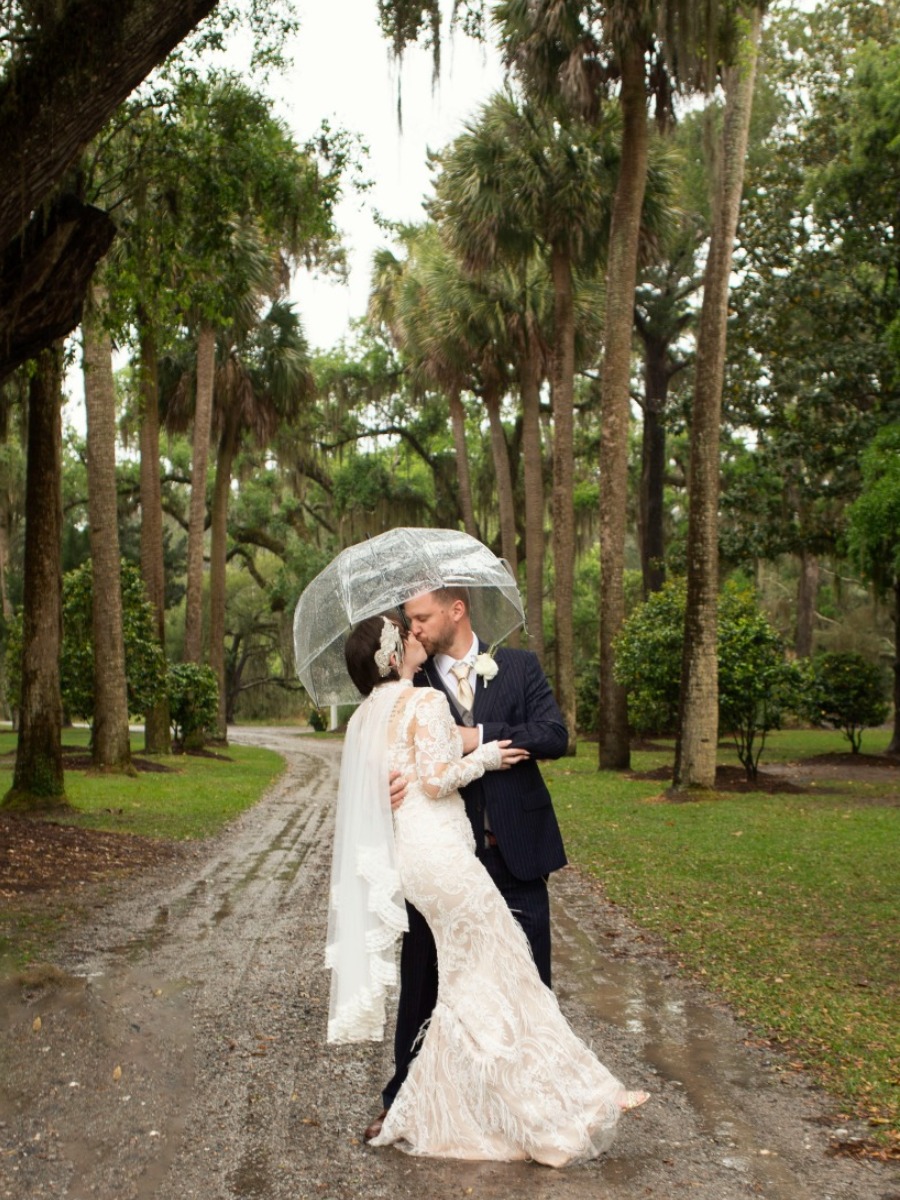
x=464, y=693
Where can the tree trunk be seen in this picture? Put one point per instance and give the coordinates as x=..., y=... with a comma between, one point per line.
x=157, y=727
x=563, y=391
x=807, y=592
x=77, y=70
x=217, y=563
x=505, y=499
x=695, y=752
x=83, y=59
x=458, y=427
x=533, y=473
x=38, y=776
x=621, y=273
x=110, y=747
x=653, y=465
x=894, y=747
x=193, y=619
x=9, y=488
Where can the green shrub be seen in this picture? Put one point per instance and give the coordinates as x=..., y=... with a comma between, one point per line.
x=756, y=685
x=145, y=662
x=193, y=700
x=318, y=720
x=847, y=692
x=648, y=659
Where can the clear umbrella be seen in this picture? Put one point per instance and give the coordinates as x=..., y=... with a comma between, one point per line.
x=379, y=575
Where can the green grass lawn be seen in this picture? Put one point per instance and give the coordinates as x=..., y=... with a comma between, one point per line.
x=194, y=798
x=787, y=904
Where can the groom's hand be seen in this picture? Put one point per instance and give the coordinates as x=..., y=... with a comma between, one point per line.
x=396, y=789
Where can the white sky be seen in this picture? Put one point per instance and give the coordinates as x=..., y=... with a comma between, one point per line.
x=342, y=71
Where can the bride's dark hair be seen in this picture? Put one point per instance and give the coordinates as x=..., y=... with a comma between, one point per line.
x=359, y=652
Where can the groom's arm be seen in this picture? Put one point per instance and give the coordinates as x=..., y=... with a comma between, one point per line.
x=536, y=723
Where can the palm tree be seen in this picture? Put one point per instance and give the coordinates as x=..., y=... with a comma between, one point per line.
x=517, y=182
x=202, y=429
x=157, y=728
x=110, y=744
x=664, y=311
x=262, y=381
x=695, y=752
x=463, y=340
x=573, y=52
x=249, y=198
x=527, y=308
x=399, y=302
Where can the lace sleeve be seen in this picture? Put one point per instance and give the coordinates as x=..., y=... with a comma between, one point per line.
x=440, y=765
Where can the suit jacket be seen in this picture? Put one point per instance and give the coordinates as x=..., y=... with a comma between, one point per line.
x=517, y=704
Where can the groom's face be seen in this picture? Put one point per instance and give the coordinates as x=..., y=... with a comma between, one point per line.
x=432, y=622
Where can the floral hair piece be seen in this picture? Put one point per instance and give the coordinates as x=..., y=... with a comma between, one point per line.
x=391, y=643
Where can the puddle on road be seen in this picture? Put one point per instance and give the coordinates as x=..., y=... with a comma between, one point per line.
x=687, y=1043
x=251, y=1179
x=166, y=916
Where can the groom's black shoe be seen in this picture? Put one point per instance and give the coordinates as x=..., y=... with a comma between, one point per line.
x=373, y=1130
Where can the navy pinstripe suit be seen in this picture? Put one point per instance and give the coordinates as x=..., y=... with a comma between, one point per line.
x=516, y=704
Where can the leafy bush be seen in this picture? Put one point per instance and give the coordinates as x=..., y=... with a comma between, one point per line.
x=847, y=692
x=756, y=685
x=317, y=719
x=648, y=659
x=193, y=700
x=145, y=662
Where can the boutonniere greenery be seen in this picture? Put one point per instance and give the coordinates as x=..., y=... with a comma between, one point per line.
x=486, y=665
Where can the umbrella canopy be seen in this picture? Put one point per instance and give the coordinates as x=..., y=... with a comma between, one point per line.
x=379, y=575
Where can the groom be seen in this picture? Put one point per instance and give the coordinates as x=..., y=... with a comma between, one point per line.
x=516, y=833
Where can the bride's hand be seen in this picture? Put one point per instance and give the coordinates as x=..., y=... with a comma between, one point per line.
x=510, y=755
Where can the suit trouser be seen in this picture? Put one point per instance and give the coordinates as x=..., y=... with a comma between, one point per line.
x=529, y=903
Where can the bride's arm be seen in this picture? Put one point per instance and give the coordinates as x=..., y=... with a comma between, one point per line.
x=440, y=766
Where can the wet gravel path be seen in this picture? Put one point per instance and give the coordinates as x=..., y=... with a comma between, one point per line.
x=177, y=1048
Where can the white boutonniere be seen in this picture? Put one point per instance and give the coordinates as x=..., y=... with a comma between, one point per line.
x=486, y=665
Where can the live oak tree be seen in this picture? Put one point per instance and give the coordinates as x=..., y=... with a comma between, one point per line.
x=65, y=69
x=262, y=382
x=812, y=372
x=519, y=183
x=38, y=775
x=581, y=54
x=69, y=66
x=405, y=299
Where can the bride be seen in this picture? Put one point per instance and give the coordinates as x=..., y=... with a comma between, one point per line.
x=499, y=1073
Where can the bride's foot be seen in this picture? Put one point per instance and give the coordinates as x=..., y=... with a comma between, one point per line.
x=630, y=1100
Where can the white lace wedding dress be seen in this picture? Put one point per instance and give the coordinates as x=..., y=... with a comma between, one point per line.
x=499, y=1074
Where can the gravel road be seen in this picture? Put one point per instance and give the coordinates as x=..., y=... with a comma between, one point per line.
x=175, y=1048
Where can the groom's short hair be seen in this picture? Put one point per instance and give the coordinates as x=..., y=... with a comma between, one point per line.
x=446, y=595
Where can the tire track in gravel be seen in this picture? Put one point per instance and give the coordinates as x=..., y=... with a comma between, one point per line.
x=204, y=987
